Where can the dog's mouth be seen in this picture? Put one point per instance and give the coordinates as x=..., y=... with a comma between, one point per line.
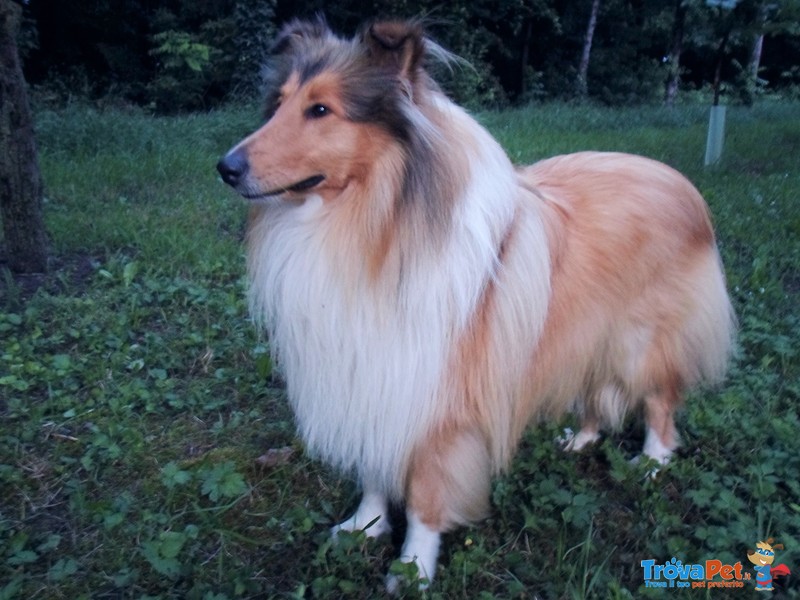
x=301, y=186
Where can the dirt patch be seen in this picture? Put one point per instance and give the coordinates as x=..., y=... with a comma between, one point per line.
x=70, y=273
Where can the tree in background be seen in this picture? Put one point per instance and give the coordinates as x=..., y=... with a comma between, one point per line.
x=583, y=66
x=733, y=21
x=754, y=62
x=765, y=17
x=178, y=55
x=20, y=180
x=192, y=44
x=254, y=23
x=673, y=60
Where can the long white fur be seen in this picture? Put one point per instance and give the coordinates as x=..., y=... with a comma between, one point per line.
x=365, y=363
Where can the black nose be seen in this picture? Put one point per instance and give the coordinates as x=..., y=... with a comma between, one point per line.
x=233, y=167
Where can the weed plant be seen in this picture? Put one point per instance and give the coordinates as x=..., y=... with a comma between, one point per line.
x=147, y=450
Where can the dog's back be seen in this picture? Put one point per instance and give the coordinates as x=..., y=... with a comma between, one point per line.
x=639, y=311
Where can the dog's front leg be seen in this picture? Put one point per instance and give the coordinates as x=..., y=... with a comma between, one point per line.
x=421, y=547
x=371, y=516
x=448, y=486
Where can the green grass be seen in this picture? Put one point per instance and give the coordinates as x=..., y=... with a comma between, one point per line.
x=135, y=396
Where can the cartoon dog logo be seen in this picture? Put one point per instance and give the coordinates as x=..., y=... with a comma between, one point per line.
x=763, y=557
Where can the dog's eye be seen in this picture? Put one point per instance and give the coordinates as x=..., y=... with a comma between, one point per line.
x=317, y=111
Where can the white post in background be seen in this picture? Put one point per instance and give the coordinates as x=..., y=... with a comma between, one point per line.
x=716, y=120
x=716, y=135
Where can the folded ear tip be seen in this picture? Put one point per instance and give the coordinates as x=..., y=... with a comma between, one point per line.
x=391, y=35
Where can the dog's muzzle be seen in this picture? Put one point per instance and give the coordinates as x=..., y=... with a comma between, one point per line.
x=233, y=167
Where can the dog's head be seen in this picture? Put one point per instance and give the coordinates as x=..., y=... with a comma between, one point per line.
x=333, y=106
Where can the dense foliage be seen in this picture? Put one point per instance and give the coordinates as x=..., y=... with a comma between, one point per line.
x=184, y=54
x=135, y=396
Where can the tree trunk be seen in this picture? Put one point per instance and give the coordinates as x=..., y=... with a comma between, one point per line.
x=20, y=180
x=723, y=44
x=754, y=63
x=755, y=56
x=526, y=50
x=674, y=64
x=583, y=67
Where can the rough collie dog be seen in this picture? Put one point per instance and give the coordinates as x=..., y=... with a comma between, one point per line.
x=426, y=300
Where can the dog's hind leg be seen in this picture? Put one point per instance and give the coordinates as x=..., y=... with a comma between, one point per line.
x=661, y=438
x=371, y=516
x=588, y=434
x=605, y=404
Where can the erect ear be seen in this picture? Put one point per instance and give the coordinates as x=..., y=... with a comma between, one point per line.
x=297, y=30
x=397, y=45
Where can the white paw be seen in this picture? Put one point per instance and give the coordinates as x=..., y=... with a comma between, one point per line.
x=657, y=462
x=654, y=449
x=421, y=548
x=370, y=517
x=396, y=583
x=392, y=585
x=572, y=442
x=406, y=572
x=373, y=528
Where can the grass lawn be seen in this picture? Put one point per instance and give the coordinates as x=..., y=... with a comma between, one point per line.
x=147, y=450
